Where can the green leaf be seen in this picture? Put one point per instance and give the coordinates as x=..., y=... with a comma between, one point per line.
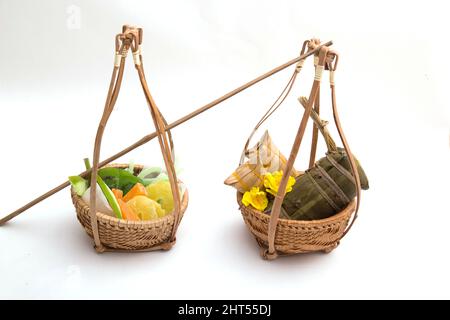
x=119, y=178
x=87, y=163
x=79, y=184
x=110, y=197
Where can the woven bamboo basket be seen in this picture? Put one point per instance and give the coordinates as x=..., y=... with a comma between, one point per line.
x=124, y=234
x=297, y=236
x=277, y=236
x=109, y=233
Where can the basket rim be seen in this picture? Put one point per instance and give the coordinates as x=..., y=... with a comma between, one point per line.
x=347, y=211
x=123, y=222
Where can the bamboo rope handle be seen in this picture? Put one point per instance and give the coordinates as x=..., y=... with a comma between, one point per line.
x=271, y=252
x=330, y=142
x=328, y=66
x=277, y=103
x=346, y=147
x=172, y=125
x=164, y=137
x=165, y=149
x=315, y=132
x=312, y=154
x=169, y=132
x=109, y=106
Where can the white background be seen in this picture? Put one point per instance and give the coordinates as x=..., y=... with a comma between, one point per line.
x=392, y=83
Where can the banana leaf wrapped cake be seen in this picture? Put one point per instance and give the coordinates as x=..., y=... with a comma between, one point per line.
x=323, y=190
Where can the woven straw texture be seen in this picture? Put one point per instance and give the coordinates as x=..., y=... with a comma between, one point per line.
x=128, y=235
x=297, y=236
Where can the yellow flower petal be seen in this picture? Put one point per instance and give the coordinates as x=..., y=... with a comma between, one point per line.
x=290, y=184
x=256, y=198
x=272, y=182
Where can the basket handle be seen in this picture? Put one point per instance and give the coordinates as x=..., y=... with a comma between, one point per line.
x=164, y=138
x=333, y=56
x=164, y=142
x=350, y=156
x=271, y=253
x=131, y=38
x=114, y=88
x=315, y=132
x=331, y=146
x=278, y=101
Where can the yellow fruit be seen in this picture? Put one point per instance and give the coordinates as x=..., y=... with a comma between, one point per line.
x=161, y=192
x=146, y=208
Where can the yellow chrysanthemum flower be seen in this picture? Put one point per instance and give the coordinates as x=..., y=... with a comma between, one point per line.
x=272, y=182
x=256, y=198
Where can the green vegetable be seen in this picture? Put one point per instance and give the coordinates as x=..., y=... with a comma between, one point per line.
x=109, y=195
x=79, y=184
x=119, y=179
x=87, y=163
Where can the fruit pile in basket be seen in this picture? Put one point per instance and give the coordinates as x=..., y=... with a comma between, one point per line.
x=123, y=194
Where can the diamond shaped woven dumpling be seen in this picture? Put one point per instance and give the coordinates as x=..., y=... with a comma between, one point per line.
x=264, y=157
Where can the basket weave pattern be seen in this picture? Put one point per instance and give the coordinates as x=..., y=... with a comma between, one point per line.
x=296, y=236
x=124, y=234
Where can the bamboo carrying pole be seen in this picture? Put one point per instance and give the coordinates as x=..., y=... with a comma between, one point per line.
x=149, y=137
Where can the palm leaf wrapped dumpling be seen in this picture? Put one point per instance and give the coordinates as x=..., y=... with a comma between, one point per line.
x=326, y=188
x=263, y=158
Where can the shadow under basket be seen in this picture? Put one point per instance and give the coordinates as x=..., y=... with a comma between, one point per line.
x=125, y=234
x=298, y=236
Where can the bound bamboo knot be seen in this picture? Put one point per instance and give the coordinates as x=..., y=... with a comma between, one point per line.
x=299, y=66
x=268, y=255
x=313, y=43
x=319, y=71
x=125, y=51
x=323, y=124
x=100, y=249
x=136, y=56
x=168, y=245
x=117, y=58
